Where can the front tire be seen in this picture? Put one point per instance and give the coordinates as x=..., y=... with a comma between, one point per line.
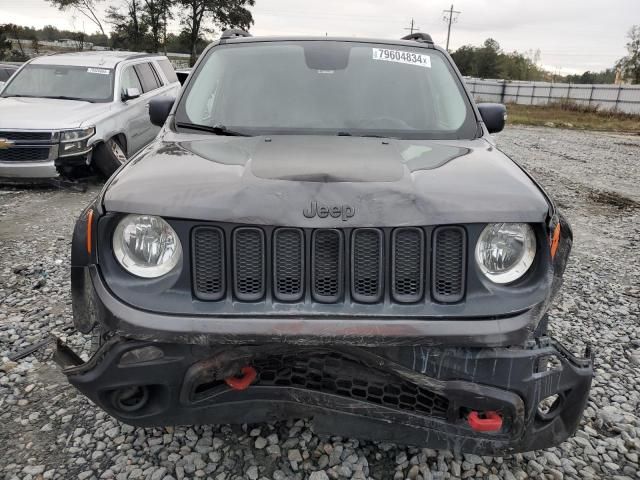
x=109, y=156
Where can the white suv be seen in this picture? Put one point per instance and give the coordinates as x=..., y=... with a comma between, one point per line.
x=61, y=114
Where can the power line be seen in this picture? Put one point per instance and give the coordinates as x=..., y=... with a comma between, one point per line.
x=412, y=28
x=450, y=16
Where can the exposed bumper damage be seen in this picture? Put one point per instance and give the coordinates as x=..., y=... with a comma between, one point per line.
x=406, y=394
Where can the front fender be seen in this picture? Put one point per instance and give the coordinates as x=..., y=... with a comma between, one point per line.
x=83, y=254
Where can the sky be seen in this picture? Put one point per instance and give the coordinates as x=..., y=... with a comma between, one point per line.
x=572, y=35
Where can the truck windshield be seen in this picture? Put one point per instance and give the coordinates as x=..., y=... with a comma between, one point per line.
x=328, y=87
x=65, y=82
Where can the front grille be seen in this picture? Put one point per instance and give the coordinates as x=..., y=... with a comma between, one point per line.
x=327, y=270
x=449, y=245
x=366, y=264
x=337, y=374
x=24, y=154
x=27, y=136
x=353, y=265
x=209, y=269
x=288, y=261
x=249, y=263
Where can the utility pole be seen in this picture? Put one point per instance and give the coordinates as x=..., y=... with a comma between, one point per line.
x=450, y=16
x=412, y=28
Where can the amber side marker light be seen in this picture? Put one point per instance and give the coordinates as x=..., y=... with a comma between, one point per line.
x=555, y=241
x=89, y=231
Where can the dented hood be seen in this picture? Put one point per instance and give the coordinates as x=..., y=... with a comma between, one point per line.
x=320, y=181
x=47, y=113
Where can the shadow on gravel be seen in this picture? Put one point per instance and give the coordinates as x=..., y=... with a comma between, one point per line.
x=613, y=199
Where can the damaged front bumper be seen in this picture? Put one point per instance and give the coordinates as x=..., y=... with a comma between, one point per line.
x=406, y=394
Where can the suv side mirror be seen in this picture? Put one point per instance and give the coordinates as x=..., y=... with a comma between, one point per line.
x=494, y=116
x=159, y=109
x=130, y=94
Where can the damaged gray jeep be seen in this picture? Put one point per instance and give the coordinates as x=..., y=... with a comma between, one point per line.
x=325, y=228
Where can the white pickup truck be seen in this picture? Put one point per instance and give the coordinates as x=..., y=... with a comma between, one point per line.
x=66, y=114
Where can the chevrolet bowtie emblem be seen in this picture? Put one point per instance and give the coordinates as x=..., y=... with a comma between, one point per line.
x=4, y=143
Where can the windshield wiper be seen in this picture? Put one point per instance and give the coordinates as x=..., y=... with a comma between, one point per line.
x=58, y=97
x=64, y=97
x=366, y=135
x=216, y=129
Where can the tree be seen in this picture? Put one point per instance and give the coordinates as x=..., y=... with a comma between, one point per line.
x=85, y=7
x=155, y=15
x=487, y=59
x=465, y=59
x=12, y=31
x=5, y=45
x=630, y=64
x=223, y=13
x=128, y=28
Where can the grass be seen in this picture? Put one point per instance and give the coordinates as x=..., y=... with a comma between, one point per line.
x=572, y=115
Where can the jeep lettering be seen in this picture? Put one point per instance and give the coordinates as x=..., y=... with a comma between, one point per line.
x=343, y=211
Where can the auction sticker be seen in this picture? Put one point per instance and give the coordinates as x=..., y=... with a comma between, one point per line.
x=401, y=56
x=101, y=71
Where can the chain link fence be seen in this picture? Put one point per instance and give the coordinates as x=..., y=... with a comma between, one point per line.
x=620, y=98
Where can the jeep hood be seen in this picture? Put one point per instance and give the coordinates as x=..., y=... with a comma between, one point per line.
x=47, y=113
x=271, y=180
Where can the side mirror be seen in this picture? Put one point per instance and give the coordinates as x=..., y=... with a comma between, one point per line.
x=159, y=109
x=130, y=94
x=494, y=116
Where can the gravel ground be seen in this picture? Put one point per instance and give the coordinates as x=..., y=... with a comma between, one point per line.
x=48, y=431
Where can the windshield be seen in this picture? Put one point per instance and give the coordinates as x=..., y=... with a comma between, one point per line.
x=55, y=81
x=328, y=87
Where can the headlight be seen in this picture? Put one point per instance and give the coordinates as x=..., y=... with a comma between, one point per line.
x=74, y=142
x=505, y=251
x=146, y=246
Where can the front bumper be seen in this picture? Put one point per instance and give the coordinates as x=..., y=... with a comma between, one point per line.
x=411, y=395
x=42, y=170
x=28, y=170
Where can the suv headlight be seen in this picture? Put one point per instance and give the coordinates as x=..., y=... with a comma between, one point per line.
x=505, y=251
x=146, y=246
x=74, y=142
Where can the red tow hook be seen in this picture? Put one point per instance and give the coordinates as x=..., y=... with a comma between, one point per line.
x=242, y=383
x=485, y=422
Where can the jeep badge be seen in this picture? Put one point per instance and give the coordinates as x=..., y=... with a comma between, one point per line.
x=323, y=211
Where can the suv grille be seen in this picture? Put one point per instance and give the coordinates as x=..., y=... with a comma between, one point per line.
x=449, y=264
x=327, y=272
x=288, y=261
x=209, y=271
x=336, y=374
x=27, y=136
x=28, y=146
x=363, y=265
x=249, y=263
x=24, y=154
x=366, y=262
x=408, y=264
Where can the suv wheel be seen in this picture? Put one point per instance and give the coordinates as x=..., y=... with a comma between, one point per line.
x=109, y=156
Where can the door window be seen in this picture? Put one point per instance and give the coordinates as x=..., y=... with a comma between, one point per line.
x=129, y=79
x=168, y=70
x=147, y=77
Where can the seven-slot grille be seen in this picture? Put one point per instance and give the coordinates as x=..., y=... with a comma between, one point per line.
x=329, y=265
